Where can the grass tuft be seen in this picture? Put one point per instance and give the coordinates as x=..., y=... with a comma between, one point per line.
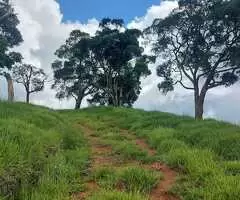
x=136, y=179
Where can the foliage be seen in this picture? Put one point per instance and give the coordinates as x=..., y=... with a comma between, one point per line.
x=107, y=66
x=75, y=69
x=10, y=36
x=200, y=46
x=121, y=63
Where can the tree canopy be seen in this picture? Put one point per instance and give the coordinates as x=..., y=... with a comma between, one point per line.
x=10, y=36
x=199, y=43
x=74, y=70
x=120, y=62
x=107, y=66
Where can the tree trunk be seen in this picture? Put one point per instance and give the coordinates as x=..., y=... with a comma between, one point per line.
x=78, y=102
x=199, y=105
x=10, y=87
x=198, y=110
x=28, y=97
x=121, y=97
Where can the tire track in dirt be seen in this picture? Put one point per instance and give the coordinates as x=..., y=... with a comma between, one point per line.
x=100, y=156
x=161, y=192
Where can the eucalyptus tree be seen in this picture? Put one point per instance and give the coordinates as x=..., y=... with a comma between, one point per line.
x=107, y=67
x=120, y=62
x=199, y=43
x=75, y=69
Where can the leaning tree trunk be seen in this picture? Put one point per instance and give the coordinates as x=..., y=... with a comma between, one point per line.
x=10, y=87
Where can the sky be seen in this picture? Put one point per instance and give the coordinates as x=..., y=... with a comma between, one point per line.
x=46, y=24
x=86, y=9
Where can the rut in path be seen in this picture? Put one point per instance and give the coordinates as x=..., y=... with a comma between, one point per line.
x=161, y=192
x=101, y=156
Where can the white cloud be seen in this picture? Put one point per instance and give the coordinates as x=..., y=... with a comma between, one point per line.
x=155, y=11
x=43, y=32
x=221, y=103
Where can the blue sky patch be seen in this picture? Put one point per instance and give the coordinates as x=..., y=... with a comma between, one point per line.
x=82, y=10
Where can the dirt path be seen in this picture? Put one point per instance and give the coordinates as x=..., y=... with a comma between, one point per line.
x=101, y=155
x=161, y=192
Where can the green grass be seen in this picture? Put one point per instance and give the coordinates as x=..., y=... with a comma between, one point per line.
x=41, y=155
x=116, y=195
x=122, y=145
x=106, y=178
x=128, y=150
x=206, y=153
x=132, y=179
x=232, y=167
x=138, y=180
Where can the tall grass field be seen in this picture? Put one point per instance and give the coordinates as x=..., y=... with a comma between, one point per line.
x=41, y=156
x=45, y=155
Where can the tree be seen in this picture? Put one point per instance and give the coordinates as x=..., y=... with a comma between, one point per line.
x=107, y=66
x=31, y=77
x=120, y=63
x=199, y=43
x=9, y=37
x=74, y=71
x=13, y=59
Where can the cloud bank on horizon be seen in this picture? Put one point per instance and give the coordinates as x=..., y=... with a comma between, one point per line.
x=44, y=31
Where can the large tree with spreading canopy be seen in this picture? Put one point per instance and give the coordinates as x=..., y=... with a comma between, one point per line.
x=121, y=63
x=75, y=69
x=107, y=66
x=199, y=43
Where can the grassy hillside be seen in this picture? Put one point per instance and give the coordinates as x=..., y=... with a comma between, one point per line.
x=41, y=156
x=206, y=154
x=99, y=153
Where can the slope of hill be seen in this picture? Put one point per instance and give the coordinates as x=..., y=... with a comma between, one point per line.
x=205, y=155
x=41, y=156
x=115, y=153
